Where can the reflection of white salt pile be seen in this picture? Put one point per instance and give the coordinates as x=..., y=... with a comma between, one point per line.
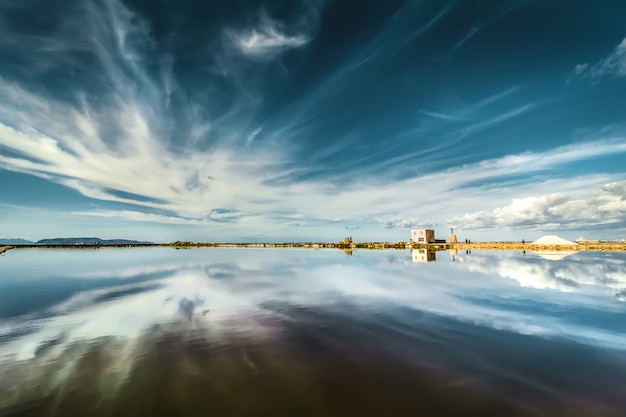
x=553, y=255
x=553, y=240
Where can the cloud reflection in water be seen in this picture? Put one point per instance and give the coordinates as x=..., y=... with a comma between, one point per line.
x=487, y=319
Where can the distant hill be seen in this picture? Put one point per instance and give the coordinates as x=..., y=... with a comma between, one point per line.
x=87, y=241
x=15, y=241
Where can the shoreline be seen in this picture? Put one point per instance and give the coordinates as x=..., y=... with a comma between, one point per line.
x=5, y=248
x=602, y=247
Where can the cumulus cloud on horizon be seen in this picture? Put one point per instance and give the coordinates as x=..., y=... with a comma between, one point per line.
x=604, y=207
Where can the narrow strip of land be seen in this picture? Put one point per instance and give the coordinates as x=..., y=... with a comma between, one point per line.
x=599, y=246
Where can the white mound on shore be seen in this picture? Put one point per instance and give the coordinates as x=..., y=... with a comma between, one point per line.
x=553, y=240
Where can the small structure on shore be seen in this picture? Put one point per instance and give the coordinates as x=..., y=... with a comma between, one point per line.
x=423, y=236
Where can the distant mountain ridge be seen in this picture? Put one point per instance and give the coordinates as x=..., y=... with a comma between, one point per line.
x=87, y=241
x=15, y=241
x=72, y=241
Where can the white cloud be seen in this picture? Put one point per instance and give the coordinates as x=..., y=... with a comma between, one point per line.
x=266, y=39
x=444, y=116
x=498, y=119
x=603, y=207
x=404, y=223
x=613, y=65
x=192, y=185
x=144, y=167
x=141, y=216
x=580, y=68
x=117, y=144
x=478, y=27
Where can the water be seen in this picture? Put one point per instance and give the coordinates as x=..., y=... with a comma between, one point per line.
x=246, y=332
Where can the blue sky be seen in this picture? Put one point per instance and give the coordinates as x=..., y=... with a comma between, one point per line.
x=312, y=120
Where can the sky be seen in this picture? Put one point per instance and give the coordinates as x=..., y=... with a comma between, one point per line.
x=312, y=120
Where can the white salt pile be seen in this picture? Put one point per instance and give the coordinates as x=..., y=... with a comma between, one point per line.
x=553, y=240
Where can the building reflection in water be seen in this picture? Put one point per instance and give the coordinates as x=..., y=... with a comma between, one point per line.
x=423, y=255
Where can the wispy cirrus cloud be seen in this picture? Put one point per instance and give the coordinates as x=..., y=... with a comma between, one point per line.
x=124, y=141
x=404, y=223
x=266, y=40
x=141, y=216
x=267, y=36
x=189, y=188
x=614, y=65
x=484, y=124
x=467, y=113
x=481, y=25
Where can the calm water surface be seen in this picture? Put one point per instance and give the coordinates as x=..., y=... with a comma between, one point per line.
x=245, y=332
